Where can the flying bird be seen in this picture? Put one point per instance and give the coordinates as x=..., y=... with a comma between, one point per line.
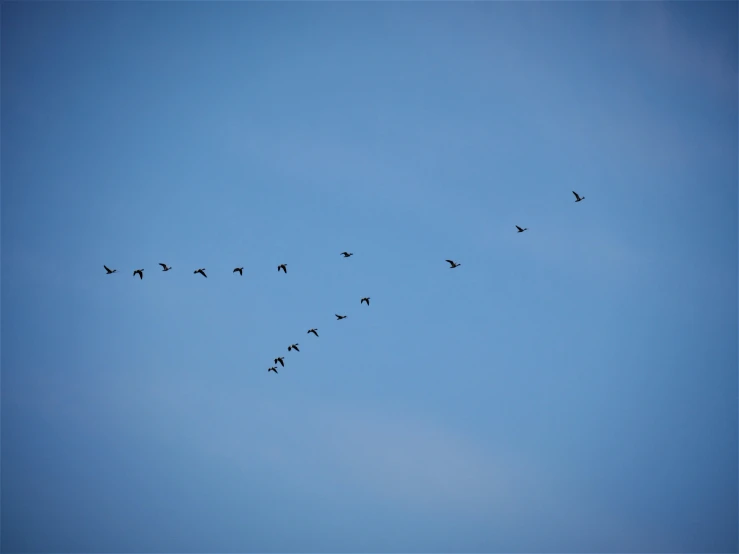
x=274, y=368
x=282, y=267
x=109, y=270
x=347, y=254
x=240, y=270
x=521, y=230
x=293, y=347
x=164, y=266
x=201, y=271
x=314, y=331
x=281, y=360
x=365, y=300
x=338, y=317
x=454, y=264
x=578, y=197
x=140, y=272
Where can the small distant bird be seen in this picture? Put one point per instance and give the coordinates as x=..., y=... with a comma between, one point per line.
x=454, y=264
x=339, y=317
x=282, y=267
x=314, y=331
x=109, y=270
x=578, y=197
x=293, y=347
x=201, y=271
x=347, y=254
x=521, y=230
x=165, y=267
x=240, y=270
x=281, y=360
x=273, y=368
x=365, y=300
x=140, y=272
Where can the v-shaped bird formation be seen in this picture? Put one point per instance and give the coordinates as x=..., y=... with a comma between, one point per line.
x=283, y=267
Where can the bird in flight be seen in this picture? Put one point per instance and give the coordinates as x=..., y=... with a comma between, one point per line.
x=314, y=331
x=164, y=266
x=282, y=267
x=454, y=264
x=201, y=271
x=366, y=299
x=240, y=270
x=578, y=197
x=109, y=270
x=521, y=230
x=338, y=317
x=273, y=368
x=281, y=360
x=293, y=347
x=347, y=254
x=140, y=272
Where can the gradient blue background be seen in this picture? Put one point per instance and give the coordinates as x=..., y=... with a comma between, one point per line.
x=572, y=388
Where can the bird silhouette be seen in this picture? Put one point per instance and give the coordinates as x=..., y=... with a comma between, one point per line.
x=366, y=299
x=273, y=368
x=347, y=254
x=314, y=331
x=140, y=272
x=453, y=265
x=578, y=197
x=109, y=271
x=293, y=347
x=281, y=360
x=282, y=267
x=201, y=271
x=240, y=270
x=164, y=266
x=338, y=317
x=521, y=230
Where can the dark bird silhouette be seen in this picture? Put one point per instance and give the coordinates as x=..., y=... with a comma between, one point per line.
x=281, y=360
x=454, y=264
x=201, y=271
x=140, y=272
x=366, y=299
x=521, y=230
x=240, y=270
x=338, y=317
x=347, y=254
x=314, y=331
x=274, y=368
x=293, y=347
x=109, y=270
x=282, y=267
x=578, y=197
x=165, y=268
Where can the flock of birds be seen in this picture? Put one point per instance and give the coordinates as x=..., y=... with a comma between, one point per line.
x=283, y=267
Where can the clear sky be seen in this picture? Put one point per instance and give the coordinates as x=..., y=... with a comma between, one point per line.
x=572, y=388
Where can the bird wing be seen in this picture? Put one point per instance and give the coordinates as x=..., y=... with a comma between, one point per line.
x=106, y=268
x=576, y=195
x=296, y=348
x=163, y=265
x=450, y=261
x=519, y=228
x=141, y=274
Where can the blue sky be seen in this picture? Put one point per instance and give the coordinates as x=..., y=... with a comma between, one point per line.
x=569, y=389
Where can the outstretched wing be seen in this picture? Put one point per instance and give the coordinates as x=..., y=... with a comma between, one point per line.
x=106, y=268
x=450, y=261
x=163, y=265
x=141, y=274
x=519, y=228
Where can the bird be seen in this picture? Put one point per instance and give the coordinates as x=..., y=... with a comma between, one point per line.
x=521, y=230
x=282, y=267
x=338, y=317
x=274, y=368
x=240, y=270
x=201, y=271
x=314, y=331
x=281, y=360
x=366, y=299
x=109, y=270
x=165, y=267
x=578, y=197
x=454, y=264
x=140, y=272
x=347, y=254
x=293, y=347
